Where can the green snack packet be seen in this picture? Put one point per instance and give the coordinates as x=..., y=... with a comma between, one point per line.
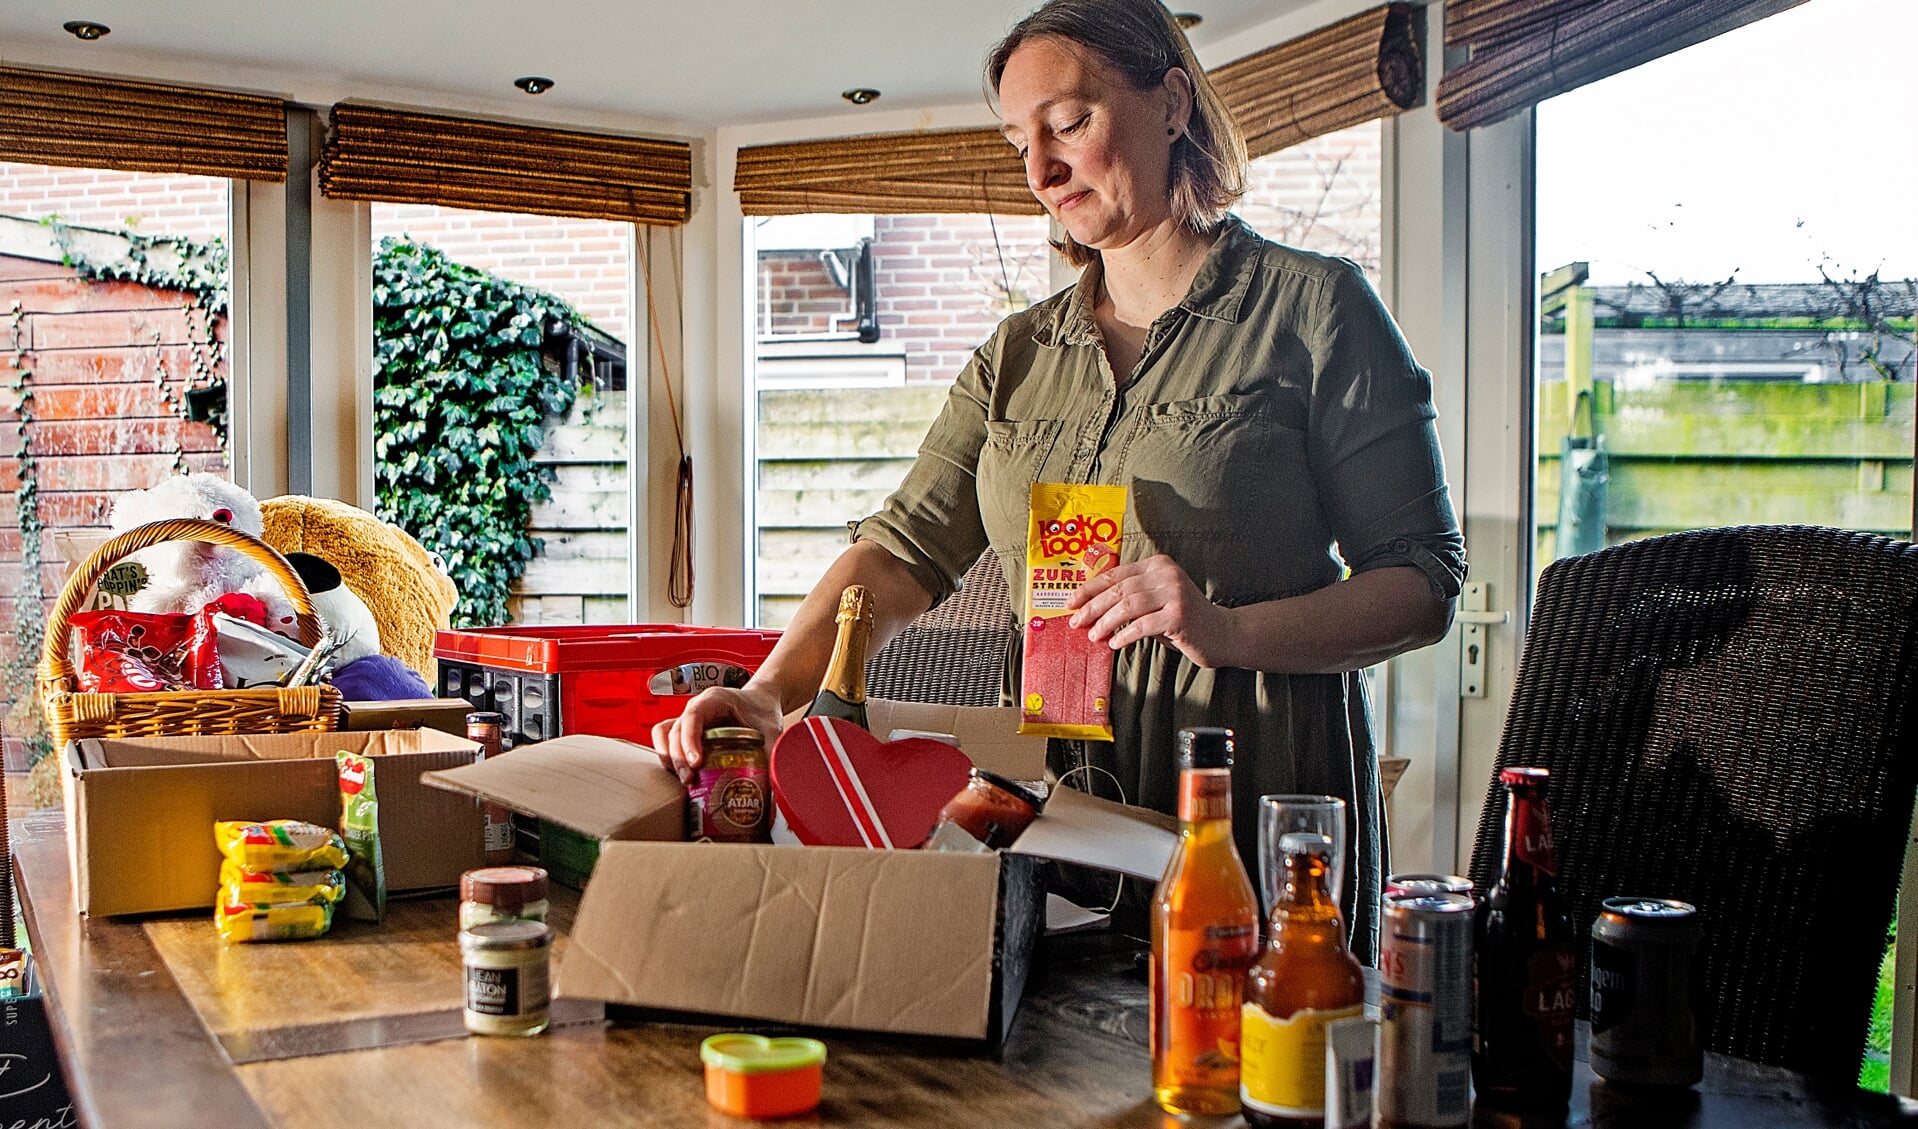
x=360, y=827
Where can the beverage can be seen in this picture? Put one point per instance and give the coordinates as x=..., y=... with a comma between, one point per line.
x=1644, y=983
x=1425, y=1011
x=730, y=800
x=1403, y=885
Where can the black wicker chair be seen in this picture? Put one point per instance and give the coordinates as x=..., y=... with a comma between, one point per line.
x=1726, y=714
x=955, y=654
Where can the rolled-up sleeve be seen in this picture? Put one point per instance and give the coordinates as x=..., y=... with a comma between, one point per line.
x=1373, y=446
x=931, y=523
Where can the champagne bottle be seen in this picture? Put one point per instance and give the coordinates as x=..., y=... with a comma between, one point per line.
x=842, y=693
x=1205, y=937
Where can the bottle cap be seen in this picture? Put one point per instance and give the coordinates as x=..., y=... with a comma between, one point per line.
x=1205, y=746
x=503, y=887
x=1523, y=777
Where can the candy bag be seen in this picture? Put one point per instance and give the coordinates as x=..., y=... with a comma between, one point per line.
x=1066, y=678
x=147, y=652
x=280, y=845
x=360, y=827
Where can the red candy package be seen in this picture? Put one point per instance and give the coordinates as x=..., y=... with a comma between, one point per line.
x=144, y=652
x=1067, y=678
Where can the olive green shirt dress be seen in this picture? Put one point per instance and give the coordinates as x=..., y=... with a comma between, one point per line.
x=1275, y=433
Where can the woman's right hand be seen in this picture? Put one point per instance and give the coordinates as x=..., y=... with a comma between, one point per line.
x=680, y=741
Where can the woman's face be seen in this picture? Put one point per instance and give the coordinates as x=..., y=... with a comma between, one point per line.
x=1097, y=152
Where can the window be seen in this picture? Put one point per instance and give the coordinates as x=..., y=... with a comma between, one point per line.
x=557, y=395
x=839, y=413
x=1321, y=195
x=114, y=299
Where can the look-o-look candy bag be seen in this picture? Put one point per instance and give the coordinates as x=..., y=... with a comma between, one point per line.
x=1066, y=684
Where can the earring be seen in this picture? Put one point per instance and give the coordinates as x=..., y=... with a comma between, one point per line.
x=1170, y=132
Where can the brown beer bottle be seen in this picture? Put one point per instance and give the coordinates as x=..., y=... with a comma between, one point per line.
x=1204, y=937
x=1525, y=965
x=842, y=693
x=1305, y=979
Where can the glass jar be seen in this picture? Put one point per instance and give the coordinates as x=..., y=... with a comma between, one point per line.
x=502, y=893
x=507, y=989
x=730, y=800
x=987, y=814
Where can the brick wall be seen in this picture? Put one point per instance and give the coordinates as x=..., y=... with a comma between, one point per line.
x=190, y=206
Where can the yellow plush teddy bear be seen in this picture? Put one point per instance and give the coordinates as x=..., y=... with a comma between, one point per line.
x=395, y=577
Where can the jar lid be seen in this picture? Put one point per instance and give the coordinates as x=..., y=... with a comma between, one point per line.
x=494, y=936
x=1649, y=909
x=1019, y=791
x=485, y=717
x=1525, y=776
x=505, y=887
x=733, y=733
x=741, y=1053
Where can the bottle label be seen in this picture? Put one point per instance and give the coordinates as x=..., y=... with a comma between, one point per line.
x=1533, y=830
x=1283, y=1070
x=1205, y=794
x=1551, y=983
x=1205, y=984
x=1614, y=986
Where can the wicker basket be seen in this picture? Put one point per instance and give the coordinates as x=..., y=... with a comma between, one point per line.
x=72, y=715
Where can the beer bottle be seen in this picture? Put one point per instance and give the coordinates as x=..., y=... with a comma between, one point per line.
x=1305, y=979
x=1525, y=965
x=486, y=729
x=1204, y=937
x=842, y=693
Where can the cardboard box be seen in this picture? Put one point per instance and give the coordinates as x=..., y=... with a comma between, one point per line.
x=448, y=715
x=810, y=936
x=140, y=812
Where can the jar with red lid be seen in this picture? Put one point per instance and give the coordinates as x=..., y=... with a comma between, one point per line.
x=502, y=893
x=987, y=814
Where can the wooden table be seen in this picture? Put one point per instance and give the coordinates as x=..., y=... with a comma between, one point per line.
x=158, y=1026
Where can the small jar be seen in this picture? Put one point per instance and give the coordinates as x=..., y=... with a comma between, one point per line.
x=507, y=990
x=502, y=893
x=730, y=800
x=987, y=814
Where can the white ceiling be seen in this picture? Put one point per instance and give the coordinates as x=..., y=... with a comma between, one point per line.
x=690, y=67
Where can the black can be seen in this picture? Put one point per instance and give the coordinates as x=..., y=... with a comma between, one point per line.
x=1645, y=980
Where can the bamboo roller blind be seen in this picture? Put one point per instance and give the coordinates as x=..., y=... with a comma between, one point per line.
x=1350, y=72
x=1342, y=75
x=411, y=158
x=1525, y=51
x=56, y=118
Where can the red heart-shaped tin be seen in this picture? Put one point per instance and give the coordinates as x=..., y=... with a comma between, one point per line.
x=839, y=786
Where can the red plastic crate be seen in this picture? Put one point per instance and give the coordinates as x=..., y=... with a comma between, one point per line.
x=549, y=681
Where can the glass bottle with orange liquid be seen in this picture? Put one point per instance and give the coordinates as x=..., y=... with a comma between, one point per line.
x=1305, y=979
x=1204, y=936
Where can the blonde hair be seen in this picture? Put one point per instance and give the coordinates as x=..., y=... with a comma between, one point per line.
x=1140, y=40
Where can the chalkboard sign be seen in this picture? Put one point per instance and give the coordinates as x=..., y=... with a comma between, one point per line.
x=33, y=1095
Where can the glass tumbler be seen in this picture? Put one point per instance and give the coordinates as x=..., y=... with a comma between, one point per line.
x=1280, y=815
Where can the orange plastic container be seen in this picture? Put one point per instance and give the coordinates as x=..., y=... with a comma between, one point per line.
x=756, y=1077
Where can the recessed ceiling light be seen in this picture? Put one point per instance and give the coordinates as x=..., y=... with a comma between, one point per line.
x=534, y=84
x=86, y=30
x=1187, y=20
x=859, y=95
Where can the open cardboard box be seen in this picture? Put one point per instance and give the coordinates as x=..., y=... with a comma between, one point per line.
x=812, y=936
x=140, y=812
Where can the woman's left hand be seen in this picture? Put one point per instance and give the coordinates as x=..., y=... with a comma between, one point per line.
x=1152, y=597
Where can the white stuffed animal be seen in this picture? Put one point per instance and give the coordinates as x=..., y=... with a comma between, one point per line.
x=184, y=576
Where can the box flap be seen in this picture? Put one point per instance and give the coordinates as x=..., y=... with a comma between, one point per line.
x=154, y=752
x=816, y=936
x=988, y=734
x=445, y=714
x=1082, y=828
x=599, y=786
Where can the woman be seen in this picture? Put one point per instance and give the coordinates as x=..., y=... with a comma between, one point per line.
x=1264, y=412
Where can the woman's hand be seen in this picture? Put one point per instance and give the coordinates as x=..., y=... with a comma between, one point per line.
x=680, y=742
x=1153, y=597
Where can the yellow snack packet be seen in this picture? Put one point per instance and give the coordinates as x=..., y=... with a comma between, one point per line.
x=293, y=921
x=255, y=887
x=280, y=845
x=1066, y=678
